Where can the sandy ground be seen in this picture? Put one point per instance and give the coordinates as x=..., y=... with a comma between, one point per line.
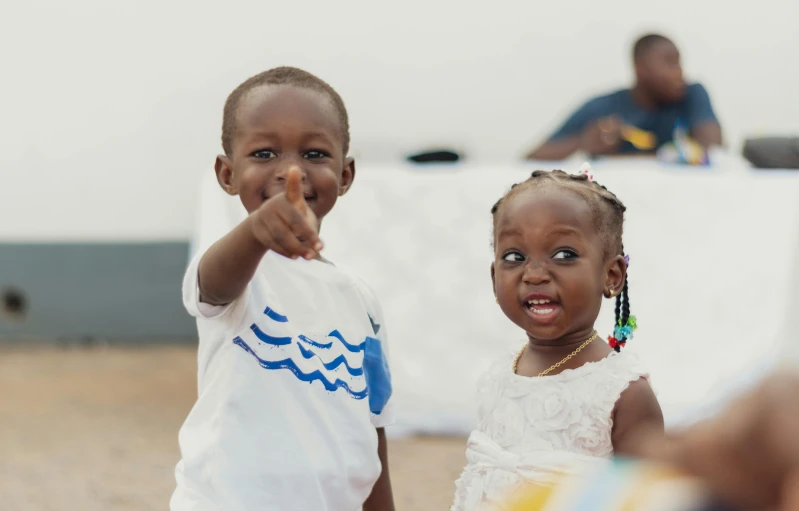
x=96, y=429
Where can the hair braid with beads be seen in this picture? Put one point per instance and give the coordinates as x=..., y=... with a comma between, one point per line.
x=608, y=215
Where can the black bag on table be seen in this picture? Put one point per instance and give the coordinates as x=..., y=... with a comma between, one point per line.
x=773, y=152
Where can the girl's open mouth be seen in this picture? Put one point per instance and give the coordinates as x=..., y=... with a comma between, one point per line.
x=542, y=310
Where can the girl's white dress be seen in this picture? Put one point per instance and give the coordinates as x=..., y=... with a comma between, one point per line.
x=532, y=429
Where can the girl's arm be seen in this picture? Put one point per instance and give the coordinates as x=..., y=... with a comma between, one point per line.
x=382, y=498
x=637, y=411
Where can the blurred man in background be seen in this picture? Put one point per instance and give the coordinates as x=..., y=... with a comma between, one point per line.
x=640, y=119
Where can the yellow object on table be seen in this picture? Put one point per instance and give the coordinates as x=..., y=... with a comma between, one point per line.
x=640, y=139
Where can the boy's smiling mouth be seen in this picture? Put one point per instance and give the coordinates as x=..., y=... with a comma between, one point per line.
x=265, y=196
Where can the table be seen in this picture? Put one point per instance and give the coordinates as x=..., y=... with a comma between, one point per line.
x=715, y=266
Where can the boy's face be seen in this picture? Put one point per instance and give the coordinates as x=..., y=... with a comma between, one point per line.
x=280, y=127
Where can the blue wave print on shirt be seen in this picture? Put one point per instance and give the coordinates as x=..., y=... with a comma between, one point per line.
x=354, y=348
x=333, y=364
x=306, y=354
x=268, y=339
x=280, y=318
x=315, y=344
x=289, y=364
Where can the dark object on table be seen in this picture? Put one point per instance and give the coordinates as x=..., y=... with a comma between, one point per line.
x=773, y=152
x=443, y=156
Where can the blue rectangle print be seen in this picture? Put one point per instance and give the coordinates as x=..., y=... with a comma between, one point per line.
x=378, y=376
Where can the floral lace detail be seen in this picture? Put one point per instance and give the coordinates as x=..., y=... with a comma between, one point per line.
x=567, y=414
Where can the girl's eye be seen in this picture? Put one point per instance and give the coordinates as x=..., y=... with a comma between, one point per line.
x=513, y=257
x=314, y=154
x=264, y=154
x=565, y=255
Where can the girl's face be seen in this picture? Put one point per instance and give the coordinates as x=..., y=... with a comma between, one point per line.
x=549, y=269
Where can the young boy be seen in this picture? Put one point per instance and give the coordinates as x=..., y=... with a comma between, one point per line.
x=293, y=383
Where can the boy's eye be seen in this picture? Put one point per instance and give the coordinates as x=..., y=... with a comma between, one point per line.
x=315, y=154
x=565, y=254
x=513, y=257
x=264, y=154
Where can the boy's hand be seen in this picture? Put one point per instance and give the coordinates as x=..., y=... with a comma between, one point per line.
x=286, y=224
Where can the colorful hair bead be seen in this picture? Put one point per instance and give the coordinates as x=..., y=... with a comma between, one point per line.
x=616, y=344
x=623, y=332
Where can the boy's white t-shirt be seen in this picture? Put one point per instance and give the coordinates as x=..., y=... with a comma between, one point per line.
x=292, y=382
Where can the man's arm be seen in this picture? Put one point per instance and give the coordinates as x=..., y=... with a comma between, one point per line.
x=705, y=127
x=586, y=129
x=555, y=149
x=382, y=498
x=708, y=134
x=600, y=137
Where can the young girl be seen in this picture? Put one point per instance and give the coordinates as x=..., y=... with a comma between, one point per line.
x=565, y=401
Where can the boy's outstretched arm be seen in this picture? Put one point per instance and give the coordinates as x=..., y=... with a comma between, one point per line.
x=284, y=224
x=382, y=498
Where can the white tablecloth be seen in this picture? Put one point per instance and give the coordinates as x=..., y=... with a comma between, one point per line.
x=712, y=278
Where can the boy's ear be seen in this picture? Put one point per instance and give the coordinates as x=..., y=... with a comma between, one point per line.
x=224, y=174
x=347, y=176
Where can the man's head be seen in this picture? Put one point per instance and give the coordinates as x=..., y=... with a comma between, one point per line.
x=281, y=119
x=657, y=68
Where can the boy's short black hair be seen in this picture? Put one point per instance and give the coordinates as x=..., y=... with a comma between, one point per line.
x=644, y=43
x=281, y=76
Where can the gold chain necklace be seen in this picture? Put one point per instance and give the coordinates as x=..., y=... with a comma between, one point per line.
x=568, y=357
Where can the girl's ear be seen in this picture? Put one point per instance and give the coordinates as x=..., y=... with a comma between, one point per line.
x=615, y=273
x=493, y=280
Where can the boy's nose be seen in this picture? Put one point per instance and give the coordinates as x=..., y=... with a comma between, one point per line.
x=282, y=172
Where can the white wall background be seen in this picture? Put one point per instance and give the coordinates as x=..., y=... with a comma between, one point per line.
x=110, y=110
